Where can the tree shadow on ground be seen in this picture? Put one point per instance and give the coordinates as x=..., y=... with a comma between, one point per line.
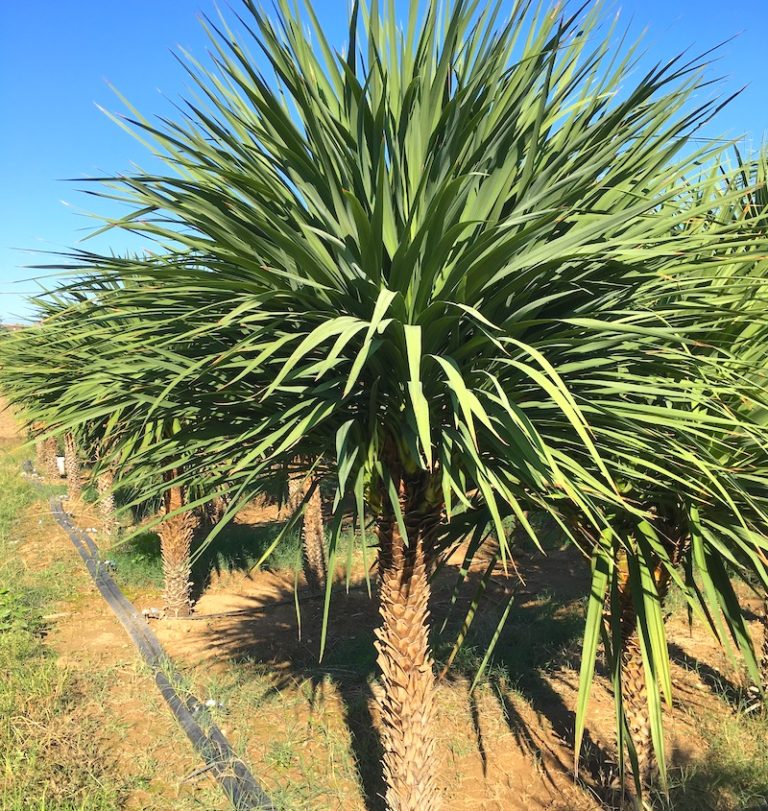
x=542, y=637
x=710, y=782
x=238, y=548
x=719, y=684
x=541, y=632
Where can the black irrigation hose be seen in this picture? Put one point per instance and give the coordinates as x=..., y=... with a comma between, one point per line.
x=238, y=783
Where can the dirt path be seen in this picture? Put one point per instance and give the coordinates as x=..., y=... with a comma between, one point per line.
x=138, y=732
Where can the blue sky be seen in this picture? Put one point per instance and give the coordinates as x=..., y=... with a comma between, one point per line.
x=56, y=60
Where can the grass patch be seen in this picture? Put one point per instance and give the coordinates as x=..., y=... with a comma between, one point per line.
x=732, y=775
x=137, y=563
x=237, y=548
x=50, y=753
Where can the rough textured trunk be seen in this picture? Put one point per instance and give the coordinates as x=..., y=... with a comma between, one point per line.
x=296, y=492
x=41, y=456
x=176, y=534
x=313, y=543
x=764, y=646
x=312, y=529
x=49, y=452
x=42, y=449
x=633, y=681
x=212, y=512
x=104, y=485
x=404, y=655
x=632, y=670
x=72, y=467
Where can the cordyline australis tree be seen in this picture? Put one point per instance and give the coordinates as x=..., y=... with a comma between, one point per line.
x=44, y=371
x=750, y=347
x=442, y=258
x=704, y=503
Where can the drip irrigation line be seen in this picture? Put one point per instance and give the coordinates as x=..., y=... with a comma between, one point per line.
x=242, y=789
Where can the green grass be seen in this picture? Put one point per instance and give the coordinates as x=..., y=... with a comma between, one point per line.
x=138, y=564
x=238, y=548
x=733, y=773
x=49, y=753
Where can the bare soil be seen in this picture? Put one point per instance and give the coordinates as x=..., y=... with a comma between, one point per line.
x=308, y=728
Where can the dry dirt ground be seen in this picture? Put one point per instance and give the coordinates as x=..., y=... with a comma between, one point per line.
x=308, y=728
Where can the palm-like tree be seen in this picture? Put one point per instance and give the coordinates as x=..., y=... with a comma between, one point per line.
x=697, y=515
x=44, y=371
x=304, y=493
x=447, y=259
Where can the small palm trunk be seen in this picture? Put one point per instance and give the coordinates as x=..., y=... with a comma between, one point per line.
x=633, y=687
x=49, y=466
x=72, y=468
x=764, y=648
x=405, y=659
x=212, y=512
x=41, y=463
x=633, y=681
x=313, y=537
x=296, y=489
x=636, y=708
x=105, y=486
x=176, y=534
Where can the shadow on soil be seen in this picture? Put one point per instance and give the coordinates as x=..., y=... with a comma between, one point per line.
x=541, y=634
x=537, y=653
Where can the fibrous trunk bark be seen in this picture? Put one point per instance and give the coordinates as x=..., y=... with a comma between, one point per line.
x=633, y=681
x=764, y=647
x=312, y=528
x=45, y=450
x=72, y=467
x=633, y=687
x=105, y=487
x=51, y=467
x=213, y=511
x=296, y=485
x=313, y=543
x=404, y=655
x=176, y=534
x=41, y=456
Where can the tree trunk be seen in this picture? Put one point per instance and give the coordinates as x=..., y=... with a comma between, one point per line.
x=212, y=512
x=176, y=535
x=633, y=681
x=764, y=646
x=42, y=449
x=312, y=529
x=41, y=456
x=404, y=656
x=632, y=670
x=313, y=543
x=296, y=490
x=72, y=467
x=49, y=466
x=104, y=485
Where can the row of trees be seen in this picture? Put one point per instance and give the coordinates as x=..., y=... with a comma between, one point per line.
x=470, y=270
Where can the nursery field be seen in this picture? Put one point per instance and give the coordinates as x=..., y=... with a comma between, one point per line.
x=83, y=726
x=416, y=456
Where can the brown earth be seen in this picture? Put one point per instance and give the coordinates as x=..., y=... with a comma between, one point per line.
x=308, y=728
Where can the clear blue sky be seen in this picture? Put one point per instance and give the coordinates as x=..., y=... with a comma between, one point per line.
x=57, y=57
